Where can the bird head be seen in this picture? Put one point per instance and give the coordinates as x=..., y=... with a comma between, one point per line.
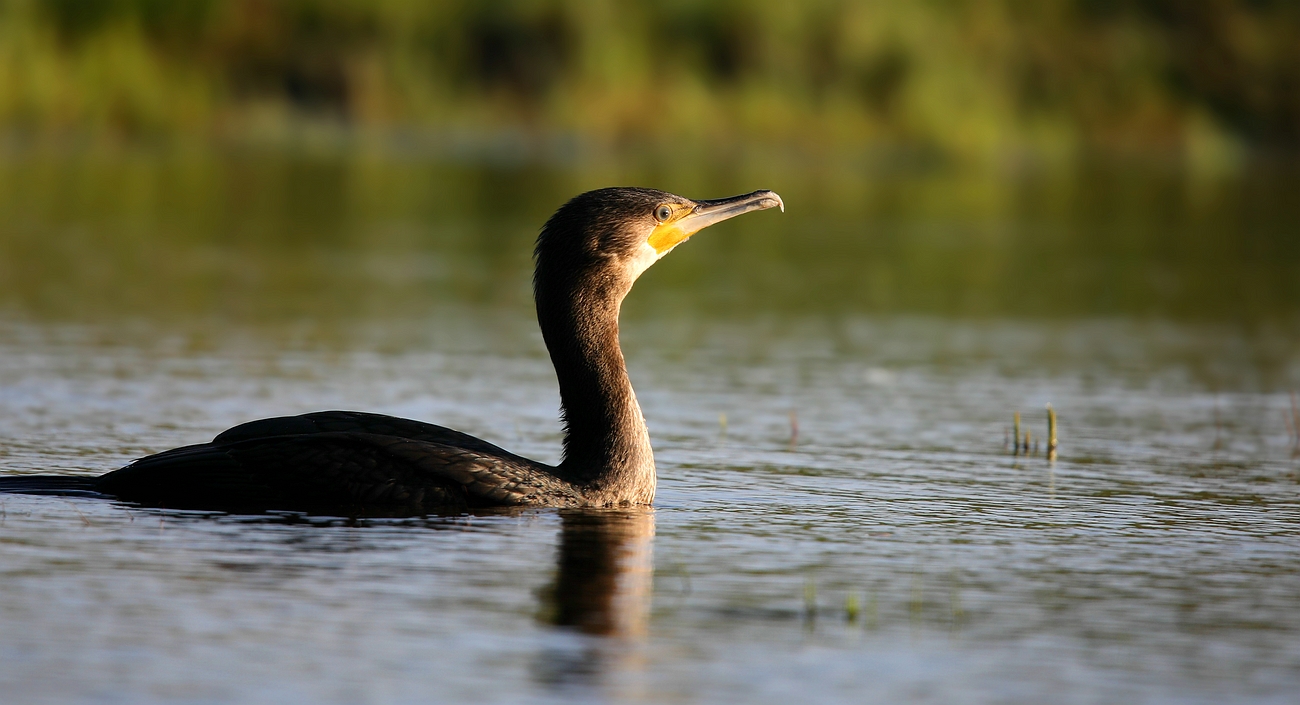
x=608, y=237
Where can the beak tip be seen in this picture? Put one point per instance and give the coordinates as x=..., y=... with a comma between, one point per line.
x=774, y=196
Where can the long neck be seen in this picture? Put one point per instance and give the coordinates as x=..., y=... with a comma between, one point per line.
x=606, y=444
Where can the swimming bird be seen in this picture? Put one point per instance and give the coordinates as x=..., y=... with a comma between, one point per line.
x=588, y=255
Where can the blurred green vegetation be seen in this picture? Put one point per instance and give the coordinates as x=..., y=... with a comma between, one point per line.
x=1048, y=80
x=365, y=158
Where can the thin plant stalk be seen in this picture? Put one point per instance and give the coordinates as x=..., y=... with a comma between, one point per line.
x=1015, y=433
x=1051, y=433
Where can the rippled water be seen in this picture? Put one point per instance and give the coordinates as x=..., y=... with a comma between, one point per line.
x=829, y=392
x=891, y=549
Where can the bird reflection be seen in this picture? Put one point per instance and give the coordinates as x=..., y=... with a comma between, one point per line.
x=595, y=611
x=602, y=591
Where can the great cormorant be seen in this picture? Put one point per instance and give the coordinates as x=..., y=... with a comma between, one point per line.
x=588, y=255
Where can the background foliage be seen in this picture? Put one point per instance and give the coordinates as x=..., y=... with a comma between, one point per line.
x=1046, y=79
x=1059, y=158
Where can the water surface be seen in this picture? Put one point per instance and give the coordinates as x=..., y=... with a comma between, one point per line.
x=839, y=514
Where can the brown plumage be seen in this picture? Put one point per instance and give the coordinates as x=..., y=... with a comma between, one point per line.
x=588, y=255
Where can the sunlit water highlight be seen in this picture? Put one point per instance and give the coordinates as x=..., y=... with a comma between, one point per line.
x=893, y=549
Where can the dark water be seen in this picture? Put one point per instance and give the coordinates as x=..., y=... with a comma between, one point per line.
x=829, y=394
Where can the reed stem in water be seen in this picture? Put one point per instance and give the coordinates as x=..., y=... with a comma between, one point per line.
x=1051, y=433
x=1015, y=433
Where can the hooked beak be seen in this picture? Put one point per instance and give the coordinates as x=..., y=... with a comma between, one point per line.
x=672, y=233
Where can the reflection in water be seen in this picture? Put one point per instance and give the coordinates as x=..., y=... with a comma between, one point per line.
x=602, y=589
x=284, y=238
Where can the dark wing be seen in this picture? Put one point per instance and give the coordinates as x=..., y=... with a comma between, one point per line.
x=334, y=473
x=359, y=422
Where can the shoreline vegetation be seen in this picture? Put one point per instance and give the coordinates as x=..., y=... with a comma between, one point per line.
x=1015, y=85
x=1036, y=158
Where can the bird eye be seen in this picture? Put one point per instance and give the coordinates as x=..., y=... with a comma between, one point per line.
x=663, y=213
